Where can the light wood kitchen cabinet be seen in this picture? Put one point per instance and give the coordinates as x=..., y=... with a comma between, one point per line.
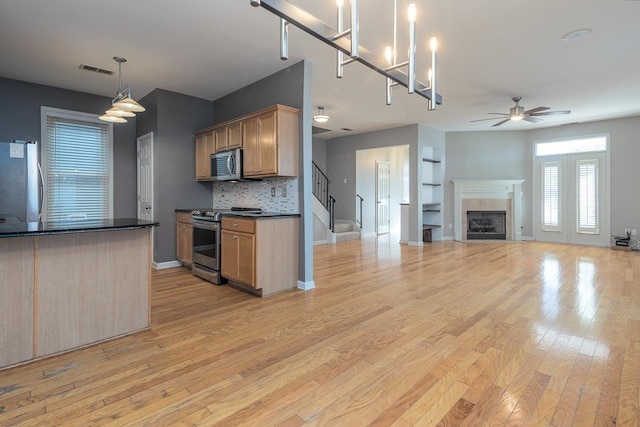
x=270, y=140
x=260, y=255
x=205, y=146
x=184, y=238
x=229, y=136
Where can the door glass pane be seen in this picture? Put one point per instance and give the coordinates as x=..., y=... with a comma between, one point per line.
x=582, y=145
x=587, y=178
x=551, y=196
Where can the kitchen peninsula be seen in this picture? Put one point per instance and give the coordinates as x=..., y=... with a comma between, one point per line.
x=69, y=284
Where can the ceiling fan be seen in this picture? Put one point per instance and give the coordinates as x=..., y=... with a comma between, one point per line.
x=517, y=113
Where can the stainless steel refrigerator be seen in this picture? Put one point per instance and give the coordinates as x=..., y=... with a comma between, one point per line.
x=20, y=182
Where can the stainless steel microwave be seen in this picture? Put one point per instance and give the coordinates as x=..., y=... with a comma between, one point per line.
x=227, y=165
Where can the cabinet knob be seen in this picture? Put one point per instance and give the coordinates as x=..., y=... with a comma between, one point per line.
x=235, y=225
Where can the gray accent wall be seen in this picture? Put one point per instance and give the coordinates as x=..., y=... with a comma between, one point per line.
x=488, y=155
x=320, y=154
x=20, y=119
x=173, y=118
x=291, y=87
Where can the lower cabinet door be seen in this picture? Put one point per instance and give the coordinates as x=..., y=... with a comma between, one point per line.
x=246, y=258
x=229, y=255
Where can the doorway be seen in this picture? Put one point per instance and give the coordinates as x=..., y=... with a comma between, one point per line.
x=145, y=177
x=571, y=191
x=383, y=196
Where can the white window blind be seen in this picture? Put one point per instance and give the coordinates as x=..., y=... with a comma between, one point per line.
x=76, y=166
x=551, y=196
x=587, y=177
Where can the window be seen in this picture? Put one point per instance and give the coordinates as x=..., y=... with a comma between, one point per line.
x=77, y=165
x=551, y=196
x=580, y=145
x=587, y=183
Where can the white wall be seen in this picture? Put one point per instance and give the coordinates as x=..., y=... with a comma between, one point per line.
x=366, y=183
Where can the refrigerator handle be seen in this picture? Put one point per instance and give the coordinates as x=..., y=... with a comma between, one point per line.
x=41, y=192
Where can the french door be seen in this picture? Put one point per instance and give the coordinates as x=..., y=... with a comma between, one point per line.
x=383, y=197
x=571, y=198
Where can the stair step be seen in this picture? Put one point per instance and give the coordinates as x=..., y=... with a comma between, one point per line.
x=347, y=235
x=343, y=227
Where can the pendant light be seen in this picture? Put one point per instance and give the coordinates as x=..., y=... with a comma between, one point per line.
x=123, y=104
x=321, y=117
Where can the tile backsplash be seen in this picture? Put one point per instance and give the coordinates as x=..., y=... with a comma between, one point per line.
x=257, y=194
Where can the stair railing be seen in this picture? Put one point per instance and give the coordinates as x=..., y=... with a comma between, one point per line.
x=332, y=214
x=359, y=216
x=320, y=185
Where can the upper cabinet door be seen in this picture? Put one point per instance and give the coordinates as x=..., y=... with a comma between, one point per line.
x=267, y=143
x=251, y=155
x=203, y=171
x=221, y=141
x=234, y=135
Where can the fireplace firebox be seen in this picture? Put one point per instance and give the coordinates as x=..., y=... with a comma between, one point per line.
x=486, y=225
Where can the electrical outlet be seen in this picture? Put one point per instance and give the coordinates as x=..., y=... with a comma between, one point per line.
x=284, y=191
x=634, y=232
x=273, y=191
x=627, y=231
x=450, y=226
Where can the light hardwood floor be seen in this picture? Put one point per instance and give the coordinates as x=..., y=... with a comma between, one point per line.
x=452, y=333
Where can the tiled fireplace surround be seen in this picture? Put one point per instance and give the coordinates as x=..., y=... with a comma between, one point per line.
x=487, y=195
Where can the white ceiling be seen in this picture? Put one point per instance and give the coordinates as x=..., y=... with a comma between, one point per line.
x=489, y=51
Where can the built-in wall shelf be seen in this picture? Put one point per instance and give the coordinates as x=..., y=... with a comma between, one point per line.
x=431, y=160
x=431, y=192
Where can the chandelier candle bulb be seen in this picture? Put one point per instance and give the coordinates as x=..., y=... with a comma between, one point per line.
x=432, y=74
x=355, y=30
x=411, y=84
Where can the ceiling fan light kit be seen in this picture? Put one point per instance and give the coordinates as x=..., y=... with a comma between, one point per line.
x=518, y=113
x=123, y=105
x=337, y=38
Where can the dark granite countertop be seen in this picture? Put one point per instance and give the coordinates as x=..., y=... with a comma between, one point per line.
x=24, y=229
x=193, y=209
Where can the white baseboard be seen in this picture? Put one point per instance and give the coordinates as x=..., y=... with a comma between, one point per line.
x=306, y=286
x=528, y=238
x=410, y=243
x=446, y=238
x=370, y=234
x=320, y=242
x=164, y=265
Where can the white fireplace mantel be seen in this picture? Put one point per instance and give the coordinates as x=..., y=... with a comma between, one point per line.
x=488, y=189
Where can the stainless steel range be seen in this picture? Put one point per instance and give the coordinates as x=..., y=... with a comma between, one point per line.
x=206, y=241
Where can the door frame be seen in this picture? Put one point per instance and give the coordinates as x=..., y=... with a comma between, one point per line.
x=568, y=202
x=153, y=210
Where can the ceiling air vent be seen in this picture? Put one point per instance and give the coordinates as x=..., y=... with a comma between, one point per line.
x=97, y=69
x=347, y=129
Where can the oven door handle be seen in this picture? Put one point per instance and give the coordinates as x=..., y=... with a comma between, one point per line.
x=207, y=225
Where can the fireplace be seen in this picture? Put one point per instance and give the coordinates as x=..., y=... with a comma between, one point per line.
x=489, y=225
x=487, y=195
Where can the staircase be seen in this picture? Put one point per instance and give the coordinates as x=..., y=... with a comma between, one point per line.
x=345, y=230
x=327, y=229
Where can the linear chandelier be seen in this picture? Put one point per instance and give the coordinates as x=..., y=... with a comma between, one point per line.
x=346, y=43
x=123, y=105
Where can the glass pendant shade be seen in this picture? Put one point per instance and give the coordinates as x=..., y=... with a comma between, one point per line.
x=321, y=117
x=112, y=119
x=129, y=104
x=115, y=111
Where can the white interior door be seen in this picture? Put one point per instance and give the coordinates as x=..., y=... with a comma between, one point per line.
x=145, y=177
x=383, y=194
x=571, y=196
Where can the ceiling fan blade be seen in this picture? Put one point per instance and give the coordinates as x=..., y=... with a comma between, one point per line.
x=499, y=123
x=531, y=119
x=535, y=110
x=490, y=118
x=501, y=114
x=552, y=113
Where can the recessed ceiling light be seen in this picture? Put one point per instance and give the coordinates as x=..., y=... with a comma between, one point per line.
x=577, y=34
